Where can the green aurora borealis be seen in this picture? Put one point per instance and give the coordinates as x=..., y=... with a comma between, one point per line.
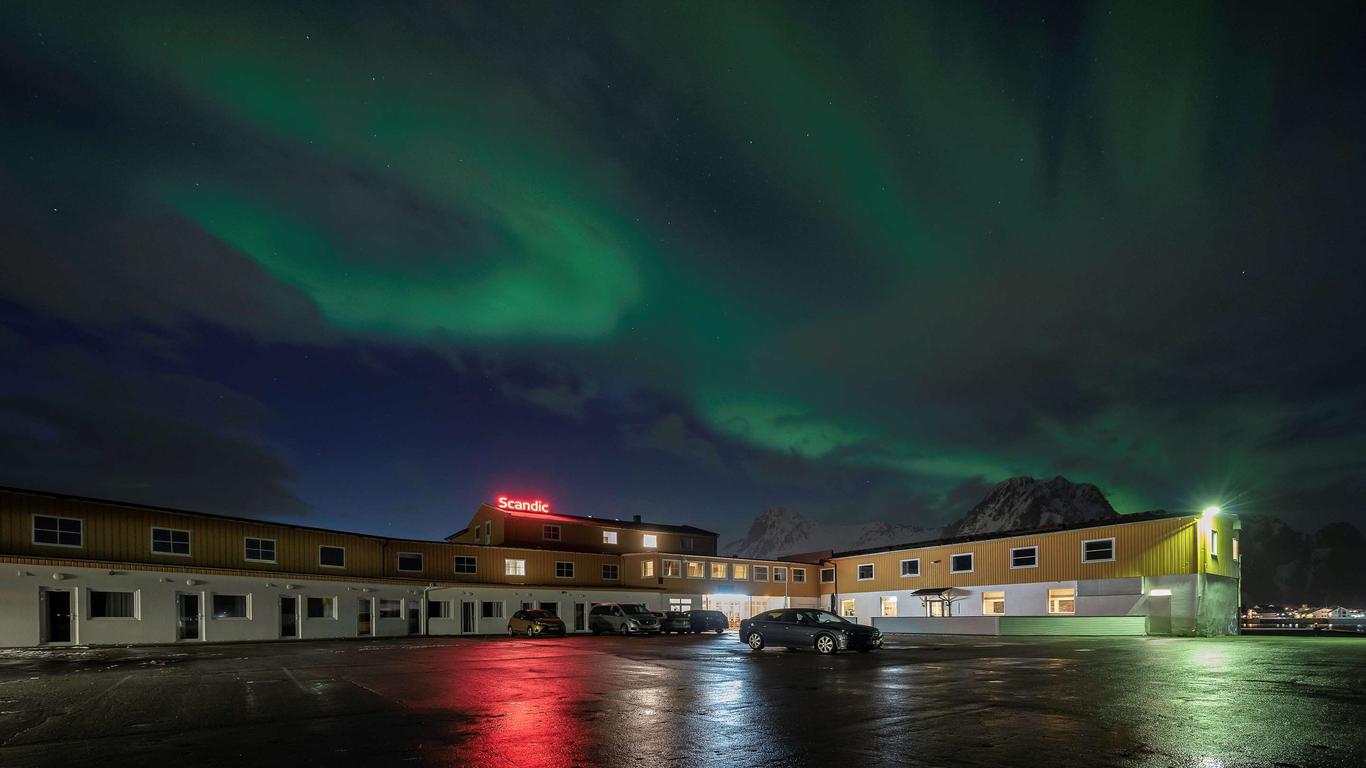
x=860, y=261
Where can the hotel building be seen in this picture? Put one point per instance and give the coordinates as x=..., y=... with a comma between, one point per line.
x=93, y=572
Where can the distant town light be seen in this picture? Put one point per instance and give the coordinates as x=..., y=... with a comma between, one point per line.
x=1159, y=593
x=1211, y=512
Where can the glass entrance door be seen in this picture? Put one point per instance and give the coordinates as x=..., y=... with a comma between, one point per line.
x=364, y=622
x=56, y=615
x=414, y=617
x=289, y=617
x=467, y=617
x=187, y=616
x=580, y=617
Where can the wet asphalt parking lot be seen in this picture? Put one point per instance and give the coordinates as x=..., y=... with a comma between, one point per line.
x=689, y=701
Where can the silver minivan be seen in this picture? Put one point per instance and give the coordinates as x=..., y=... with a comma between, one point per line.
x=622, y=619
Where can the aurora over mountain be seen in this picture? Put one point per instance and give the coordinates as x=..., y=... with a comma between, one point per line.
x=367, y=267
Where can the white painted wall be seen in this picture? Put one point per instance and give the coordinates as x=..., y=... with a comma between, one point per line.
x=1021, y=600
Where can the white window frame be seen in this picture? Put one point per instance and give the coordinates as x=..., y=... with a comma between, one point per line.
x=972, y=558
x=779, y=569
x=798, y=575
x=547, y=528
x=246, y=604
x=701, y=569
x=458, y=572
x=882, y=606
x=1236, y=554
x=445, y=611
x=321, y=547
x=559, y=563
x=724, y=567
x=609, y=537
x=379, y=608
x=152, y=538
x=1113, y=550
x=830, y=580
x=421, y=562
x=1213, y=544
x=872, y=571
x=848, y=608
x=1013, y=550
x=902, y=567
x=90, y=602
x=649, y=541
x=502, y=609
x=754, y=570
x=33, y=531
x=332, y=601
x=647, y=568
x=512, y=570
x=274, y=547
x=488, y=532
x=740, y=571
x=664, y=569
x=615, y=568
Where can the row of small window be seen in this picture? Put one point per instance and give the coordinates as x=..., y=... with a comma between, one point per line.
x=1060, y=601
x=698, y=569
x=1092, y=551
x=647, y=540
x=106, y=604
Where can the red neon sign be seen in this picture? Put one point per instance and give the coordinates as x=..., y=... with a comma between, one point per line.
x=523, y=505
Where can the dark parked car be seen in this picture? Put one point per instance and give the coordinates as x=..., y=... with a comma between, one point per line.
x=703, y=621
x=533, y=622
x=675, y=621
x=808, y=628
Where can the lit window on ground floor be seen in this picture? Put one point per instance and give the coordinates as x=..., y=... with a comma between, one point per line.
x=994, y=603
x=680, y=603
x=1062, y=600
x=888, y=605
x=847, y=608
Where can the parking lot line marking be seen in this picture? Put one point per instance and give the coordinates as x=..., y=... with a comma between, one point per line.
x=296, y=682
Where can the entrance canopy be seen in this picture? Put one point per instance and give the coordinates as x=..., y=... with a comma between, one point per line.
x=943, y=593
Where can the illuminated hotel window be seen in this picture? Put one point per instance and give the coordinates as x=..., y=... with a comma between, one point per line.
x=649, y=541
x=1235, y=548
x=847, y=608
x=1062, y=600
x=647, y=568
x=993, y=603
x=799, y=575
x=564, y=569
x=865, y=572
x=827, y=575
x=680, y=604
x=779, y=573
x=1098, y=550
x=550, y=532
x=513, y=567
x=761, y=573
x=1213, y=544
x=673, y=569
x=609, y=537
x=888, y=605
x=741, y=572
x=696, y=569
x=910, y=567
x=718, y=570
x=610, y=572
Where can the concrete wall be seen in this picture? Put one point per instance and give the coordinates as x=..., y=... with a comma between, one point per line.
x=956, y=625
x=1021, y=600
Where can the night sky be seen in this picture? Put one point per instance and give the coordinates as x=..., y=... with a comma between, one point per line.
x=363, y=267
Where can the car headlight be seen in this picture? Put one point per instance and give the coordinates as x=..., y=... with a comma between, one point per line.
x=632, y=623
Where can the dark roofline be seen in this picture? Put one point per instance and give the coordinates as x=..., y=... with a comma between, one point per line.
x=1138, y=517
x=212, y=515
x=614, y=523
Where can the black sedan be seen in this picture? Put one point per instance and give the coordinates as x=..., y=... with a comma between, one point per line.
x=808, y=628
x=708, y=621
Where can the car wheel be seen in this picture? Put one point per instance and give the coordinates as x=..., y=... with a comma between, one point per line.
x=511, y=632
x=625, y=630
x=719, y=631
x=755, y=641
x=596, y=630
x=826, y=644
